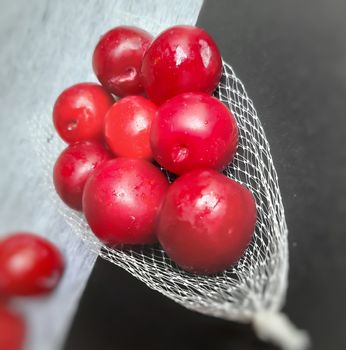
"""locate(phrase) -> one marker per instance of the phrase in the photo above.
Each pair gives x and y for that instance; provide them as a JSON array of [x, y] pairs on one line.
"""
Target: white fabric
[[45, 47]]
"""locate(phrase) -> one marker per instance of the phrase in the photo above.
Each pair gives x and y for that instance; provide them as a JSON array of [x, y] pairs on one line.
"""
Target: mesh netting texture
[[258, 282]]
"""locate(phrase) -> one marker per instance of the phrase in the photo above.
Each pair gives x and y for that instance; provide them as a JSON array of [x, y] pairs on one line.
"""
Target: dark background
[[291, 56]]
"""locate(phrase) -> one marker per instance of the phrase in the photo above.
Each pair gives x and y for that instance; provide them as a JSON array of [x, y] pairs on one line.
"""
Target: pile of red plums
[[29, 266], [154, 111]]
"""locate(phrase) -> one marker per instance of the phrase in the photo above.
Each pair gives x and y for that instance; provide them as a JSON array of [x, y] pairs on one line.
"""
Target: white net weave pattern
[[259, 280]]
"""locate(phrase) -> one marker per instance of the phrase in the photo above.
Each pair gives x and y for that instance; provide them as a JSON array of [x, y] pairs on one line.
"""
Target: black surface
[[291, 57], [119, 312]]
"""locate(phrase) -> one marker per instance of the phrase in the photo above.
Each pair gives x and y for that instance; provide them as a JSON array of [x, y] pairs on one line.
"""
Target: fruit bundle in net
[[253, 290]]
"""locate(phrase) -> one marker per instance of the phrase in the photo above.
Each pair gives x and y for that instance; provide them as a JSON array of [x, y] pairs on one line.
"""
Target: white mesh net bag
[[251, 291]]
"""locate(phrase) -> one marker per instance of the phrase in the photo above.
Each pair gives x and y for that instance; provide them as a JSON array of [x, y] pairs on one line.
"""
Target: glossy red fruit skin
[[73, 167], [181, 59], [12, 329], [122, 199], [127, 127], [193, 130], [206, 222], [118, 57], [29, 265], [79, 112]]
